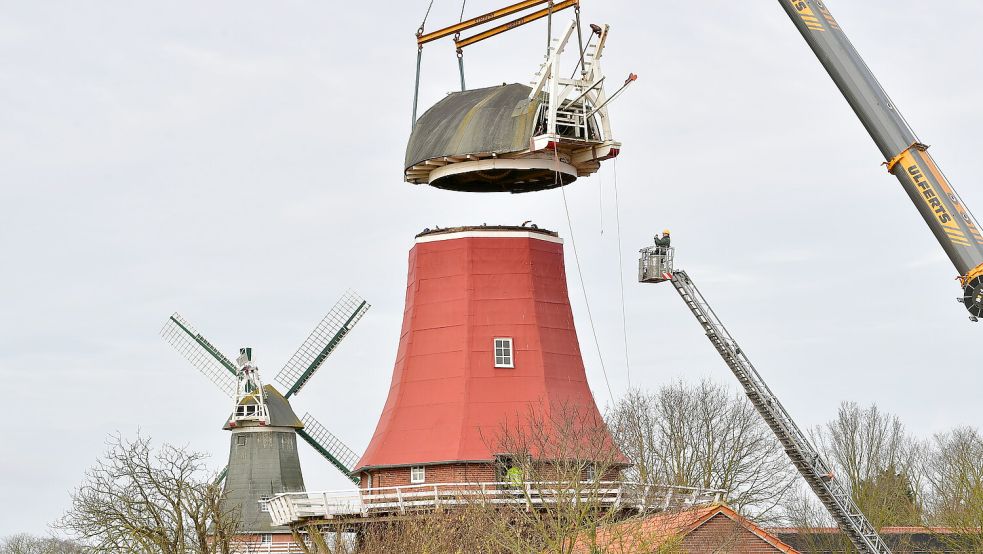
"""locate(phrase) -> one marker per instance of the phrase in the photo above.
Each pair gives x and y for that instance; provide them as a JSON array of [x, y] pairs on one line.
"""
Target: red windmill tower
[[488, 337]]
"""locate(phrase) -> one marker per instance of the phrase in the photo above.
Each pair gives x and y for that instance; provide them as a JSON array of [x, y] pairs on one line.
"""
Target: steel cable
[[583, 287], [621, 269]]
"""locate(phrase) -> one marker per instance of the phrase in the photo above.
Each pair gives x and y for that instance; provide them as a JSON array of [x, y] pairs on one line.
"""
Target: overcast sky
[[240, 162]]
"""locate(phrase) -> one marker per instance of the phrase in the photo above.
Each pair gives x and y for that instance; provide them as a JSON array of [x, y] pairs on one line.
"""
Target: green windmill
[[263, 459]]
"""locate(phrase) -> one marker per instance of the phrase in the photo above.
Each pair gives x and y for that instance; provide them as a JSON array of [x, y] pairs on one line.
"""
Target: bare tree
[[24, 543], [704, 435], [880, 461], [561, 464], [137, 499], [458, 531], [954, 472]]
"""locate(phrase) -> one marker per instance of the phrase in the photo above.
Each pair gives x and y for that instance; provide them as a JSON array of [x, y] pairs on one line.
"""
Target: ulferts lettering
[[930, 195]]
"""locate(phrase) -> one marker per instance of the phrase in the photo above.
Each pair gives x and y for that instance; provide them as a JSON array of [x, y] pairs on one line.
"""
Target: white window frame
[[263, 506], [505, 346], [418, 475], [266, 538]]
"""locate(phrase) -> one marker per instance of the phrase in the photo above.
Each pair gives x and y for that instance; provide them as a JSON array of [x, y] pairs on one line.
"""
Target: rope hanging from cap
[[558, 180], [621, 270]]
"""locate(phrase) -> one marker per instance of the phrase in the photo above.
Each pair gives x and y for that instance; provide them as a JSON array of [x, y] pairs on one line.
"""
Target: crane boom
[[906, 157], [655, 266]]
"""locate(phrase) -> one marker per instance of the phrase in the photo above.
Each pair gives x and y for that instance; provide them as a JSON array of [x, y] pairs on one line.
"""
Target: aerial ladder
[[906, 157], [656, 266]]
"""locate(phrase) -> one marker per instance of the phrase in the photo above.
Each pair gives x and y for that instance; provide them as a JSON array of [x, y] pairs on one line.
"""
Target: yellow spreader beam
[[492, 16], [560, 6], [480, 20]]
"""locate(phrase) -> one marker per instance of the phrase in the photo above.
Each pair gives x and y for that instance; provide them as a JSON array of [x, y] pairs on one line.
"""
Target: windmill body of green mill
[[263, 457]]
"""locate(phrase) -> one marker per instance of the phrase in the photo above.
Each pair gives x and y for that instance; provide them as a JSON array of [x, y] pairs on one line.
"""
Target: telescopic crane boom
[[656, 266], [906, 157]]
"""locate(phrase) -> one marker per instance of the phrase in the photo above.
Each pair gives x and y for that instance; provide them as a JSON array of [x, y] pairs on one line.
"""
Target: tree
[[876, 459], [137, 499], [954, 472], [704, 435], [879, 460], [29, 544], [561, 463]]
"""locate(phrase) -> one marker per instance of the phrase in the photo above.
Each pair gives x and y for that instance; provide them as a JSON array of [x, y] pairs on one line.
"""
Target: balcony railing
[[289, 508]]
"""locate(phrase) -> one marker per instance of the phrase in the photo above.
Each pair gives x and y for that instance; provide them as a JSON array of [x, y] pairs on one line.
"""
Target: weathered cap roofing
[[498, 121], [281, 414]]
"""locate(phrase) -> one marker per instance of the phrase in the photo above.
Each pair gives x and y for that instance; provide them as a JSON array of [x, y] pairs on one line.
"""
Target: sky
[[240, 162]]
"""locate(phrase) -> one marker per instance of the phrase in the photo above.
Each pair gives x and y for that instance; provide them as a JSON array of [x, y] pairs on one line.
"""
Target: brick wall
[[451, 473], [722, 534], [444, 473]]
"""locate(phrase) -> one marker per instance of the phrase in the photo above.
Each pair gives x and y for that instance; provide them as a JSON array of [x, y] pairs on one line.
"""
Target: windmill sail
[[322, 341], [202, 354], [329, 446]]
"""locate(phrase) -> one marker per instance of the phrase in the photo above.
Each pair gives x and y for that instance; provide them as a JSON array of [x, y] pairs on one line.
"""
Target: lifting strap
[[460, 66], [460, 51], [549, 30], [419, 61], [416, 88]]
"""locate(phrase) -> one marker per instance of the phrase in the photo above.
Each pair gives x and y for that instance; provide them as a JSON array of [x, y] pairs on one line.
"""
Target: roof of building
[[281, 414], [650, 532], [908, 539], [496, 120], [883, 530]]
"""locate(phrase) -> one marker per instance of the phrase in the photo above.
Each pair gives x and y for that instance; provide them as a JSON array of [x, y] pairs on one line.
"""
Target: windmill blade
[[323, 340], [329, 446], [197, 350]]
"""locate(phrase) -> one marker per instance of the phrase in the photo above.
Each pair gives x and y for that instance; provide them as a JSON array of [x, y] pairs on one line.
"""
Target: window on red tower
[[418, 475], [503, 353]]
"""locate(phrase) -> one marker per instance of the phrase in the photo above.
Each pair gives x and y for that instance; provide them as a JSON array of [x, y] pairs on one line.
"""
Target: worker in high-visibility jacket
[[514, 477]]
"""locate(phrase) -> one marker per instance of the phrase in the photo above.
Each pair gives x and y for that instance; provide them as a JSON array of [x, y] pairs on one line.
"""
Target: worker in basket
[[662, 243]]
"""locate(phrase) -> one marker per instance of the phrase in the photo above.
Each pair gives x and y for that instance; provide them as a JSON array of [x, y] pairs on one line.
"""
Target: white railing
[[295, 507], [257, 547]]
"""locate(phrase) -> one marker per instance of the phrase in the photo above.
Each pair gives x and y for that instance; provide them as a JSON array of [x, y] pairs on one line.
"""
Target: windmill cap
[[281, 414]]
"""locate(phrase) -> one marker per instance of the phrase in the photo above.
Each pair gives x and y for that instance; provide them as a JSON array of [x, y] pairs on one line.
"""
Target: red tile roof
[[650, 532]]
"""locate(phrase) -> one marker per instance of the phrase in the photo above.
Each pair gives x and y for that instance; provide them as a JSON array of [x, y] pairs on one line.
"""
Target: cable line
[[621, 269], [580, 274]]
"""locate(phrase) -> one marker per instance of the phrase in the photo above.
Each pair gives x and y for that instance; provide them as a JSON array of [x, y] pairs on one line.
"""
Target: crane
[[906, 157], [656, 266]]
